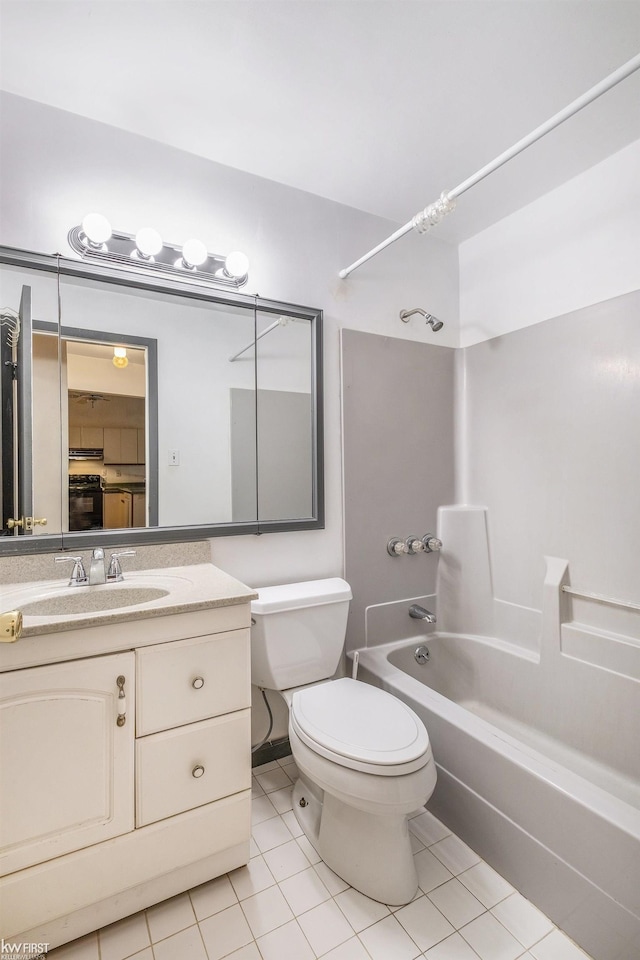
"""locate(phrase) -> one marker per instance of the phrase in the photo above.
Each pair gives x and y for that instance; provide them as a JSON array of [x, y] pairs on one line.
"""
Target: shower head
[[433, 322]]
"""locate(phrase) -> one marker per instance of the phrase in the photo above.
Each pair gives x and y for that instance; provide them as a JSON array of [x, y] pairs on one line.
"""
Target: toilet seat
[[360, 727]]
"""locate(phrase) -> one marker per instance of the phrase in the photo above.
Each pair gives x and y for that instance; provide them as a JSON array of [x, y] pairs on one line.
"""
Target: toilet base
[[372, 853]]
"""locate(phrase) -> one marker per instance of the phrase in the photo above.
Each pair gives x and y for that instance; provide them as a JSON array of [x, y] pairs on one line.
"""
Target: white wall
[[57, 166], [575, 246]]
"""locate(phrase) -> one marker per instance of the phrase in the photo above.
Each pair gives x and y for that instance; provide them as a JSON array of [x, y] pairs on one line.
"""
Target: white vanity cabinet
[[66, 766], [101, 817]]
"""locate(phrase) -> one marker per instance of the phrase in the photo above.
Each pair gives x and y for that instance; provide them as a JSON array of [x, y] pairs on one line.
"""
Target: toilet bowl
[[364, 757]]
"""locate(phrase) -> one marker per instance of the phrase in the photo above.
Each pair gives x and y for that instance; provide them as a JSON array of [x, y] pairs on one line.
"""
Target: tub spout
[[419, 613]]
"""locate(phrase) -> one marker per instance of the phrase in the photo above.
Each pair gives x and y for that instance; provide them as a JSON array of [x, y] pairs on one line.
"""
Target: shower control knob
[[431, 543], [414, 545], [396, 547]]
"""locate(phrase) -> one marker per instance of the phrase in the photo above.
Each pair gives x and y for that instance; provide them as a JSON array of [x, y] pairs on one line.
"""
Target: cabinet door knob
[[198, 771], [197, 683]]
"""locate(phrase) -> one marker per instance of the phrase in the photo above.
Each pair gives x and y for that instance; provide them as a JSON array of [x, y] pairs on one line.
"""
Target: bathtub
[[553, 809]]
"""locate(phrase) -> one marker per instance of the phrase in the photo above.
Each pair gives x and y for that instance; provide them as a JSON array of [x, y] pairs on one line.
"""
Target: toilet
[[364, 757]]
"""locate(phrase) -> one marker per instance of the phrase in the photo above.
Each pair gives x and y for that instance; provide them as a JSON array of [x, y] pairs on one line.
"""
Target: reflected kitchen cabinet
[[121, 445], [117, 510]]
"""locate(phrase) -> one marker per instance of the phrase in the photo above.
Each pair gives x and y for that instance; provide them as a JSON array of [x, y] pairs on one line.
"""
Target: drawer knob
[[198, 771], [197, 683]]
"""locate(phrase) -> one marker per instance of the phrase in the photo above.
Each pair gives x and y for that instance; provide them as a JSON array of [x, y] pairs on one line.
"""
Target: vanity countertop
[[148, 594]]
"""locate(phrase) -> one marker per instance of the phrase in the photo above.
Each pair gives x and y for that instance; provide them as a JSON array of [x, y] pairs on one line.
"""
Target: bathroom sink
[[55, 598], [88, 600]]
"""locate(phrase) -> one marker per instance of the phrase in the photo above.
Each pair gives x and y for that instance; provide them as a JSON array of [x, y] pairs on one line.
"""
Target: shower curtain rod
[[436, 211]]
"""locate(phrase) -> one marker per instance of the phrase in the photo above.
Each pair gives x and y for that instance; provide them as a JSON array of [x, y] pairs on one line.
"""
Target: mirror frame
[[193, 289]]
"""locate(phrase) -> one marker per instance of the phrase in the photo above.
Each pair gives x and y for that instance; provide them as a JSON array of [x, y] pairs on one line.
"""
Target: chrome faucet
[[419, 613], [97, 572]]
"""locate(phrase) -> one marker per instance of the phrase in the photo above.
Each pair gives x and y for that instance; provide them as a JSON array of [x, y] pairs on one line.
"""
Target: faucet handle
[[78, 574], [115, 570], [396, 547], [431, 543], [415, 545]]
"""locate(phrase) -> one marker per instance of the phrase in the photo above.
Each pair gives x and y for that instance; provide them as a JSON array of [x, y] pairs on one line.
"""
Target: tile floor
[[287, 905]]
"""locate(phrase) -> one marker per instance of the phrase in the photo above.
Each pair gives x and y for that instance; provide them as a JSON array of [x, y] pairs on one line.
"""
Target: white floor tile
[[281, 799], [225, 932], [522, 919], [286, 943], [490, 940], [264, 767], [253, 878], [557, 946], [325, 927], [388, 939], [349, 950], [359, 910], [84, 948], [485, 884], [431, 872], [304, 891], [416, 844], [428, 828], [187, 943], [256, 789], [262, 809], [290, 819], [266, 910], [455, 854], [453, 948], [424, 923], [250, 952], [211, 897], [124, 938], [457, 903], [276, 779], [270, 834], [285, 860], [170, 917], [285, 761]]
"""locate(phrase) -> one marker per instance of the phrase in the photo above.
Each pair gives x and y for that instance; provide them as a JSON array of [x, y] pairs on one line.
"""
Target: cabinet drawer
[[178, 770], [190, 680]]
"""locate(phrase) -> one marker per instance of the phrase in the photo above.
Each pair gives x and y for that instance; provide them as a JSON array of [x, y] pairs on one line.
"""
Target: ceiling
[[378, 105]]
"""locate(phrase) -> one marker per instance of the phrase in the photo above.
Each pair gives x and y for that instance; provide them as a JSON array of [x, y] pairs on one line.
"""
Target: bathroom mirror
[[155, 410]]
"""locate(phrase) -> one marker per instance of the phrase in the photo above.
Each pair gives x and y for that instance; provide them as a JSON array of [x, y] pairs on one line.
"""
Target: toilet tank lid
[[309, 593]]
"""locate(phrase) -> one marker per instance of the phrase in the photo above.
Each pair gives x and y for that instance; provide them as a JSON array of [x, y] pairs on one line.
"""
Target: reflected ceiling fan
[[92, 398]]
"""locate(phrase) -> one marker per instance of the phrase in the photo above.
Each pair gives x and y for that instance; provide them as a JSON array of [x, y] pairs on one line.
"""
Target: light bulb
[[120, 357], [236, 265], [96, 229], [194, 253], [148, 241]]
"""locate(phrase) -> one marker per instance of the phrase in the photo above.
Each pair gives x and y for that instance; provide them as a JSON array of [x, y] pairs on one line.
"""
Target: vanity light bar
[[94, 240]]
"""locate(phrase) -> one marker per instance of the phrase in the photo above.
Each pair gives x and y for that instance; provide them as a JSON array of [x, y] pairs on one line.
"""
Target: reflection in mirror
[[206, 422]]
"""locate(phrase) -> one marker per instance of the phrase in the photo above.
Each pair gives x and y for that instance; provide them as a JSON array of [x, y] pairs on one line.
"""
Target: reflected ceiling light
[[194, 253], [96, 229], [146, 252], [236, 265], [120, 358], [148, 242]]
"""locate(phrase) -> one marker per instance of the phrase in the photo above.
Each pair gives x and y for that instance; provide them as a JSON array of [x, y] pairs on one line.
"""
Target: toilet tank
[[297, 632]]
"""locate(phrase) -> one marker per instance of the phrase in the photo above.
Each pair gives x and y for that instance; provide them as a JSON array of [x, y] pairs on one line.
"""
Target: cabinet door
[[92, 437], [67, 767], [117, 511], [129, 445], [139, 510], [112, 445]]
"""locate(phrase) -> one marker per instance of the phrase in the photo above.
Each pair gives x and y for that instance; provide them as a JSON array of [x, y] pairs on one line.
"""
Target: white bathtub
[[557, 813]]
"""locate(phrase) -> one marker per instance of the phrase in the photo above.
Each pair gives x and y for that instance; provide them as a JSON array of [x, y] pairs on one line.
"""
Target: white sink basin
[[57, 599], [88, 600]]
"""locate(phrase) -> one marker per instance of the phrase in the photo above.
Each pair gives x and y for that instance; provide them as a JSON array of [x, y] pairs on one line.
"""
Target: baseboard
[[273, 750]]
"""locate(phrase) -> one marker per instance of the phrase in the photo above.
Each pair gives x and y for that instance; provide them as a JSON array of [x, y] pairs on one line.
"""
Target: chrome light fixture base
[[121, 250]]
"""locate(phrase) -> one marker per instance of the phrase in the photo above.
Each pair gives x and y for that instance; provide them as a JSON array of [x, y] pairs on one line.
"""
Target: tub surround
[[131, 730], [520, 707]]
